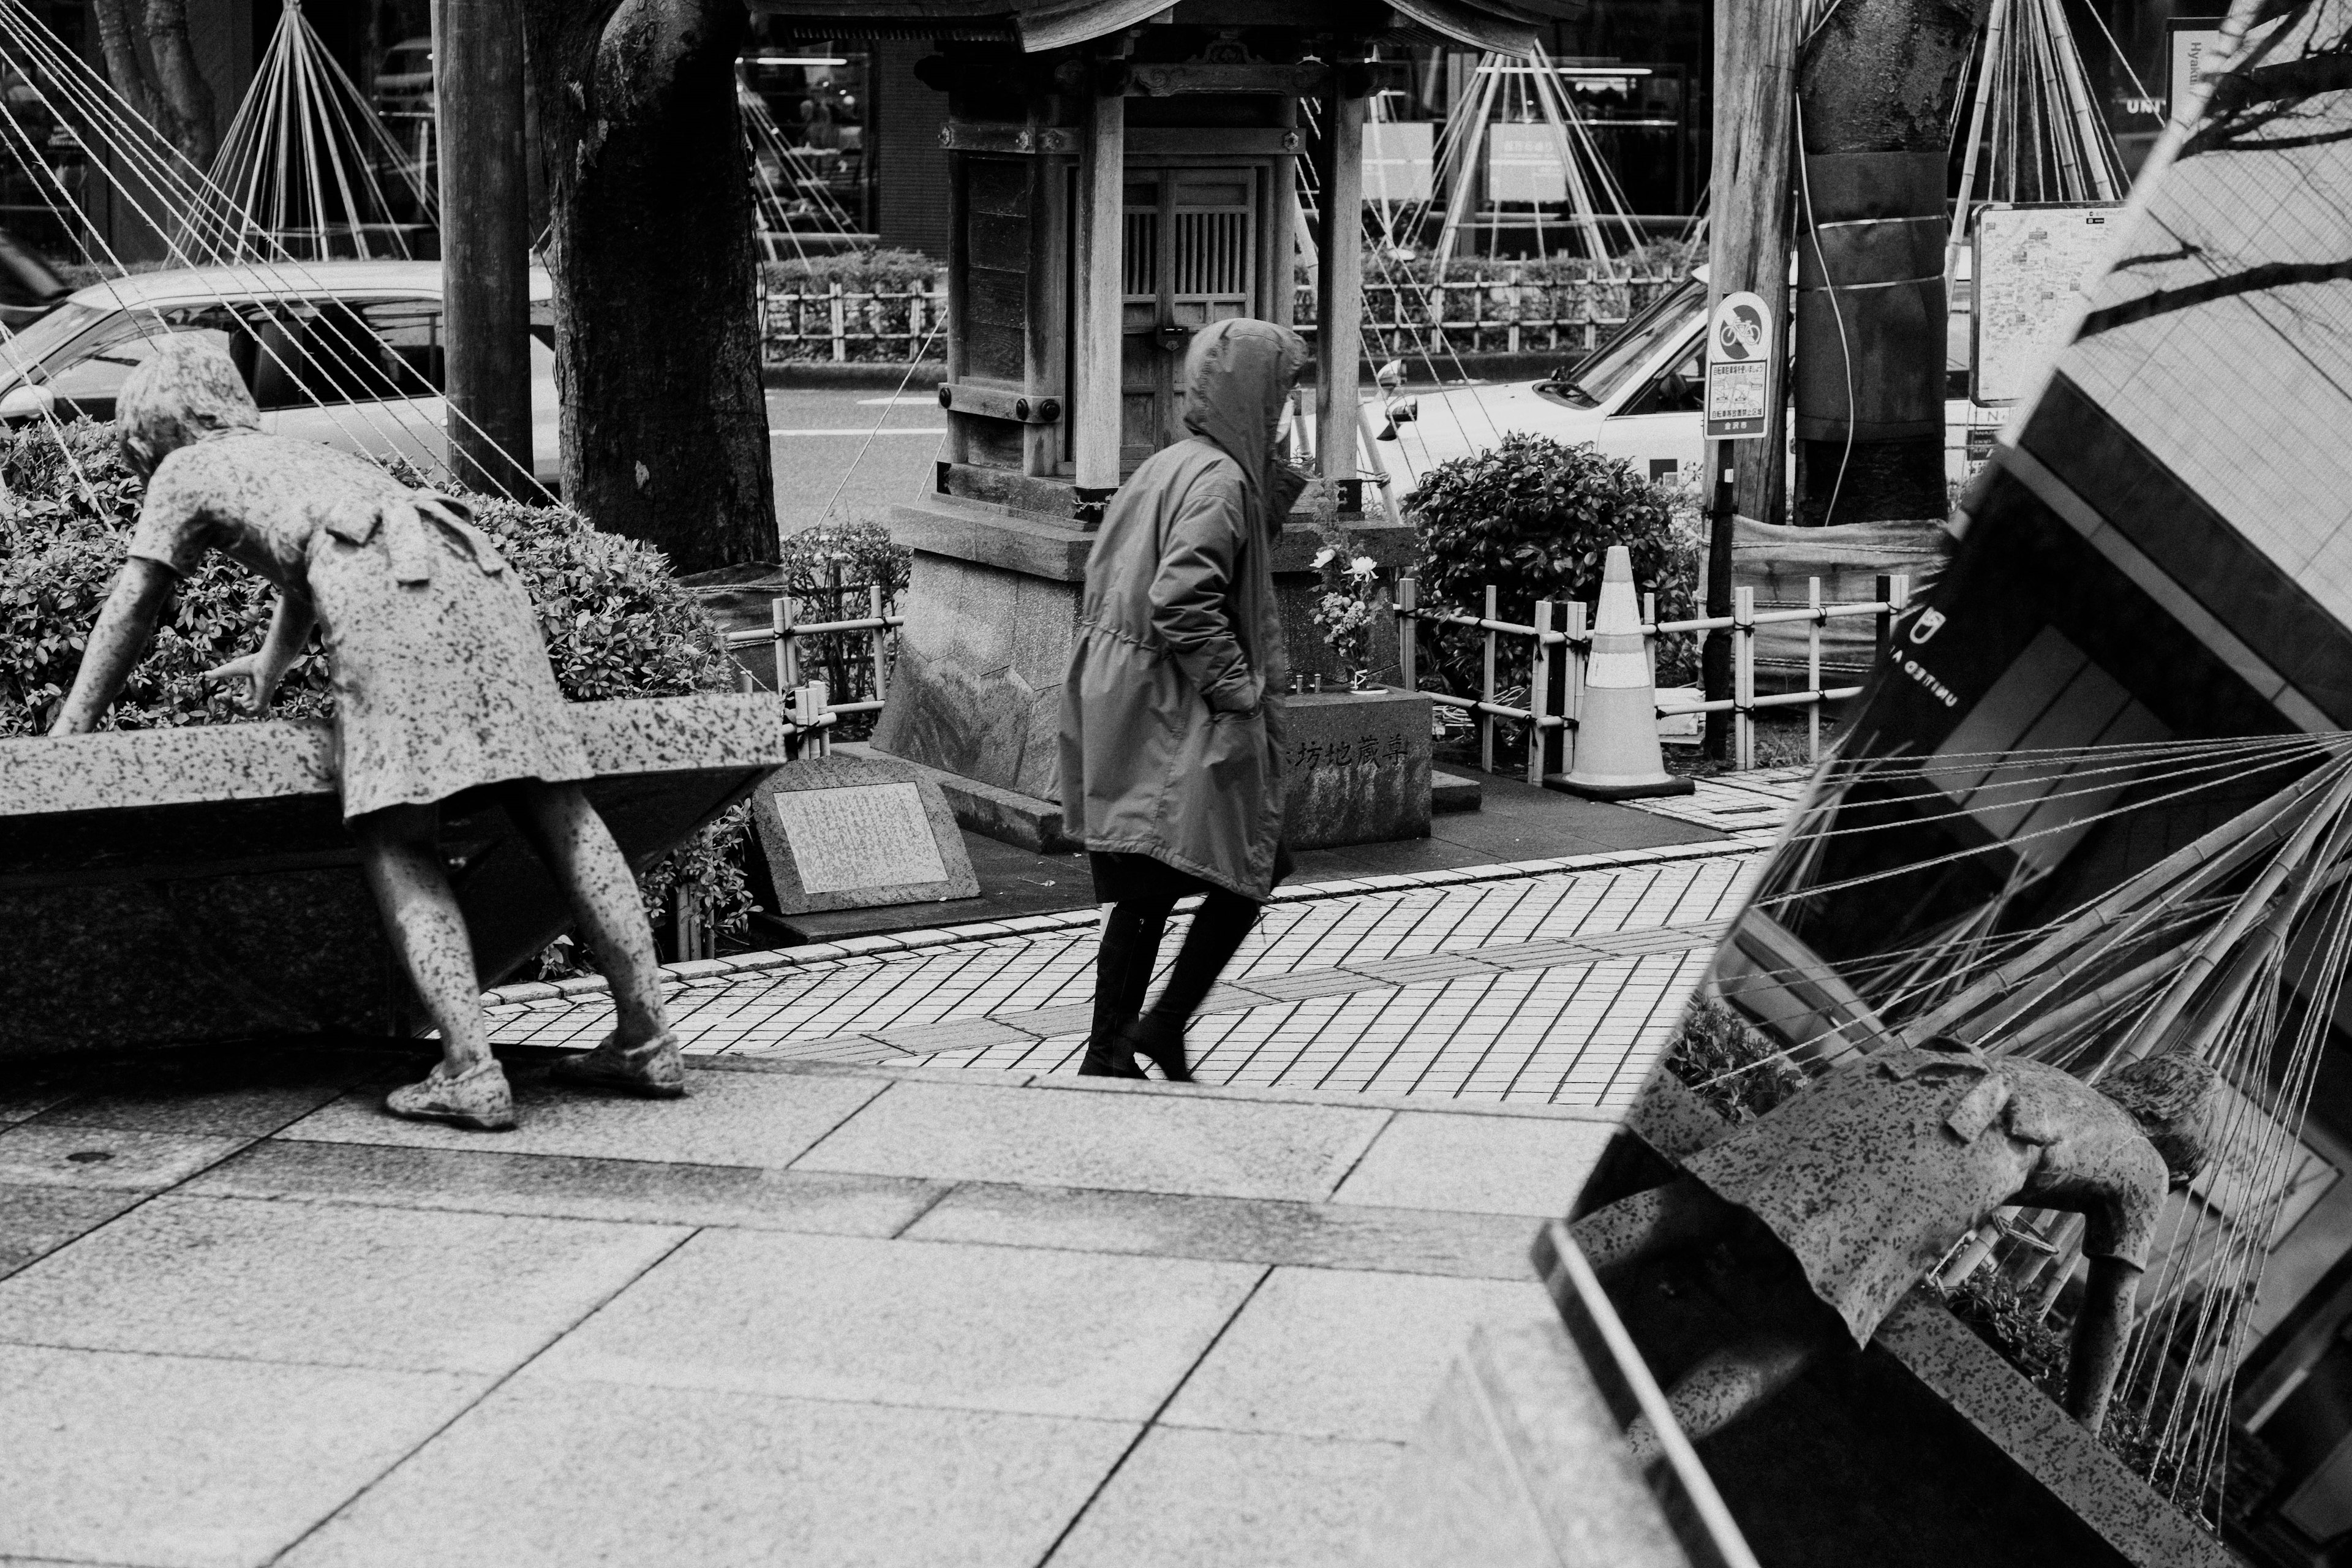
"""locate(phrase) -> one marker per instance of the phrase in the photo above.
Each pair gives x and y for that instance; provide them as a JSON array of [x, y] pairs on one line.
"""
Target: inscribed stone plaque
[[855, 832], [860, 836]]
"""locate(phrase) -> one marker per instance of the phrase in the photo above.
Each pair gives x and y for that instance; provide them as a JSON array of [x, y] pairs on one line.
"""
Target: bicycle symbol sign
[[1738, 368]]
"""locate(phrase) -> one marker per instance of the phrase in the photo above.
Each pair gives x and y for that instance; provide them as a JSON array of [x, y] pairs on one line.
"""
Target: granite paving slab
[[570, 1186], [326, 1285], [554, 1475], [37, 1220], [34, 1154], [1322, 1235], [728, 1119], [1502, 1165], [1027, 1331], [1327, 1352], [1145, 1140], [1226, 1500], [179, 1462]]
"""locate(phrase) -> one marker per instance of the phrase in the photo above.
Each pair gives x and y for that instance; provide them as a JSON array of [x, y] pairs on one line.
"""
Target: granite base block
[[1357, 768], [977, 688], [180, 886]]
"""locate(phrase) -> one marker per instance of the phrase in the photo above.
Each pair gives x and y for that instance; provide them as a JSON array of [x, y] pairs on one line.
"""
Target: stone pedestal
[[1357, 769], [179, 886], [991, 610], [992, 613]]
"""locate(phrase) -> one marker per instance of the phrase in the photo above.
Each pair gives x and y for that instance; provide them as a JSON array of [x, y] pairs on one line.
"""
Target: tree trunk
[[120, 43], [1875, 87], [656, 355], [181, 94]]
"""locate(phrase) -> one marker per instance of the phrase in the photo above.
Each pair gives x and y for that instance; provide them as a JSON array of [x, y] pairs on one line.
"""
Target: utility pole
[[1748, 216], [477, 81], [1876, 87]]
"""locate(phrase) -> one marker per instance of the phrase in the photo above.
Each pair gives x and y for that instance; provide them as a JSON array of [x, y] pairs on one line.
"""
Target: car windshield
[[1598, 376], [20, 353]]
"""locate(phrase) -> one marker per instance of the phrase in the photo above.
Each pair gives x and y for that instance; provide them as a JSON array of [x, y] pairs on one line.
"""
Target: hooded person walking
[[1172, 717]]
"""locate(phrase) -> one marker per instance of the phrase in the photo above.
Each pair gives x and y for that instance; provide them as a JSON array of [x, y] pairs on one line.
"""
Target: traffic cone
[[1616, 734]]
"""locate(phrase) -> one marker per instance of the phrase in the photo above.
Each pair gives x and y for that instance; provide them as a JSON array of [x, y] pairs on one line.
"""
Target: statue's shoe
[[477, 1097], [652, 1070]]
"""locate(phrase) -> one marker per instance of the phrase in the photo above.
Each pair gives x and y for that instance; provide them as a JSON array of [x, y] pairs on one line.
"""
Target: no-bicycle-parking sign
[[1738, 368]]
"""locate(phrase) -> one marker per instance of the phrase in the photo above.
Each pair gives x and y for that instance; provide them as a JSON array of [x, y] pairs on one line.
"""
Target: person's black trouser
[[1130, 945]]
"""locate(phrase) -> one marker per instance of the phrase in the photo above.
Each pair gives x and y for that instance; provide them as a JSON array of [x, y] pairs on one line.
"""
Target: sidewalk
[[1553, 981], [892, 1287]]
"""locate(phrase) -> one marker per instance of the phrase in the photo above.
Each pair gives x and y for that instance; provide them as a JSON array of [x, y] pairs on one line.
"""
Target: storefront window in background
[[395, 73], [32, 197], [818, 101]]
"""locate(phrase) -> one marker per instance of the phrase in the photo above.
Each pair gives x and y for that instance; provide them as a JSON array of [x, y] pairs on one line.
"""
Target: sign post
[[1740, 362]]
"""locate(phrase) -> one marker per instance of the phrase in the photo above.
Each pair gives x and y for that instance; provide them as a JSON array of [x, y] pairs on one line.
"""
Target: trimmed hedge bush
[[1534, 519]]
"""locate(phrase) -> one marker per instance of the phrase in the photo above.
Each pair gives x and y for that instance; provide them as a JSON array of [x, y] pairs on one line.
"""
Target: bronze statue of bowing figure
[[1837, 1201], [442, 685]]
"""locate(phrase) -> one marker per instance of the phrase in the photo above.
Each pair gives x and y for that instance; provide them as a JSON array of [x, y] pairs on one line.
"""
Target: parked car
[[29, 287], [1639, 396], [348, 352], [405, 83]]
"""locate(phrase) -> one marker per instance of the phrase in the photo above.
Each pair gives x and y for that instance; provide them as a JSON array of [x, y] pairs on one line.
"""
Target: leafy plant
[[1534, 519], [1728, 1063], [1350, 602]]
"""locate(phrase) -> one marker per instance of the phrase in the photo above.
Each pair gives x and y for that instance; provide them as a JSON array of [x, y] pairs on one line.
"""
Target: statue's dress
[[441, 679]]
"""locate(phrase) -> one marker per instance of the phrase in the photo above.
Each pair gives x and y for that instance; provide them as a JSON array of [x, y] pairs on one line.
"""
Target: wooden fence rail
[[1556, 687], [1402, 318], [785, 632]]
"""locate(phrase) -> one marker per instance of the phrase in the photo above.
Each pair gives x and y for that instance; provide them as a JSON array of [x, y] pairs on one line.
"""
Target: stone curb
[[708, 971]]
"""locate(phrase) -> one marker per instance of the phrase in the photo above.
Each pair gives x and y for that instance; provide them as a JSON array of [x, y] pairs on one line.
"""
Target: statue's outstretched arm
[[290, 628], [115, 644], [2101, 1327]]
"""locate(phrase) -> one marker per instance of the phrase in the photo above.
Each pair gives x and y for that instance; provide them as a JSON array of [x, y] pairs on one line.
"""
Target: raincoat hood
[[189, 391], [1236, 375]]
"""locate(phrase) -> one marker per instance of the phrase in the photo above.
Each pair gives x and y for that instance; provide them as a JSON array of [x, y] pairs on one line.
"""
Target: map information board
[[2032, 265]]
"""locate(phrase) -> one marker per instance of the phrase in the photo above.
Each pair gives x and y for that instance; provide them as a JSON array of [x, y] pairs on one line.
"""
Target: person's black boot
[[1161, 1037], [1109, 1059]]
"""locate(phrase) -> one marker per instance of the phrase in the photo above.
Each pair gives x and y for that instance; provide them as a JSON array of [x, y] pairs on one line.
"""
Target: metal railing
[[1506, 314], [1555, 687]]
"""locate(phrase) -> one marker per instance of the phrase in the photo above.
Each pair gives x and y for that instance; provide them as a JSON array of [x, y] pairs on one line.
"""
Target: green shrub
[[616, 621], [1729, 1064], [893, 271], [1534, 519]]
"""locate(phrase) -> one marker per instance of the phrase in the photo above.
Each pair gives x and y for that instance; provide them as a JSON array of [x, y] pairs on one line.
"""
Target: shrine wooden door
[[1190, 255]]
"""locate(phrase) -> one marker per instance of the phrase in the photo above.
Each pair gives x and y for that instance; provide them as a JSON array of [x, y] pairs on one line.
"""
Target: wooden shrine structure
[[1121, 175]]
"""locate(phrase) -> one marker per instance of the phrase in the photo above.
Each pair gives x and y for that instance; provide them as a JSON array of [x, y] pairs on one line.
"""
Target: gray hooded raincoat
[[1172, 717]]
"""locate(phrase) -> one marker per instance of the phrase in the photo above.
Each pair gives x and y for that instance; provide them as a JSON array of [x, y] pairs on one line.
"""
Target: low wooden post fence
[[1403, 318], [1555, 692], [784, 634]]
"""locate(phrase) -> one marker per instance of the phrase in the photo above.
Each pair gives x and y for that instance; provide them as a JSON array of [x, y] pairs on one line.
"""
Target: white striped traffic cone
[[1616, 734]]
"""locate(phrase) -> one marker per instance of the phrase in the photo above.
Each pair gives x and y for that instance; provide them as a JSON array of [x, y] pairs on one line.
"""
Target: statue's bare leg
[[1725, 1386], [640, 1056], [1679, 1215], [400, 856]]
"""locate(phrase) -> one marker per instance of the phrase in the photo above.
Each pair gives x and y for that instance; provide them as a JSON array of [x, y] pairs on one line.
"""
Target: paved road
[[856, 451]]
